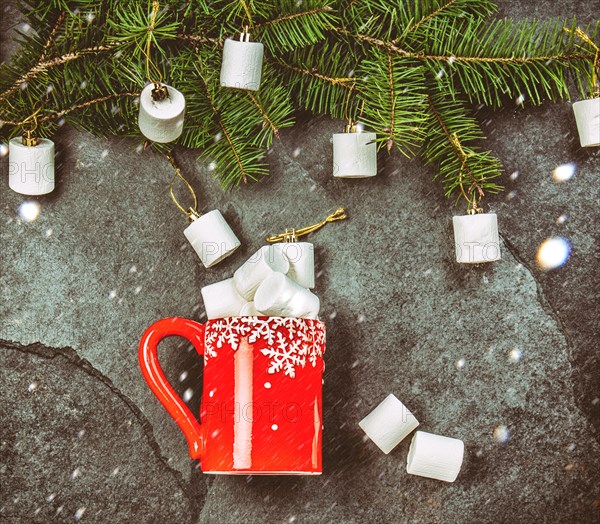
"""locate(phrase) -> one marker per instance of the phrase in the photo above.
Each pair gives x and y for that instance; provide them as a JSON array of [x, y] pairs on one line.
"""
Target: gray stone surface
[[107, 257]]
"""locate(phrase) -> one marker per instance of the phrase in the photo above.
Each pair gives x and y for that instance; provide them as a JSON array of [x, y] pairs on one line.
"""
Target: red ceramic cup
[[261, 409]]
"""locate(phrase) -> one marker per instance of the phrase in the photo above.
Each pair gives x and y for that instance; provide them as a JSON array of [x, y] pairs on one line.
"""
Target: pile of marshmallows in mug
[[274, 282], [429, 455]]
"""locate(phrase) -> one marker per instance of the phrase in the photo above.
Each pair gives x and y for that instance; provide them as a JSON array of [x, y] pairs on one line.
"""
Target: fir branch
[[390, 140], [292, 16], [44, 65], [412, 28], [345, 82], [450, 129], [85, 105], [459, 151], [264, 114], [217, 116], [292, 30], [197, 39], [50, 40], [393, 99]]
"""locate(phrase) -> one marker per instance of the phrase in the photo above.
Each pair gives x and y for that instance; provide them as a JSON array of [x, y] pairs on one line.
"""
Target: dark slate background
[[83, 438]]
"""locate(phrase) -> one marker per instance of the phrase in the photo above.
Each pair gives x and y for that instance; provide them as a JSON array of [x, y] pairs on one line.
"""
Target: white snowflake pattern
[[262, 329], [285, 355], [230, 331], [286, 350], [209, 345]]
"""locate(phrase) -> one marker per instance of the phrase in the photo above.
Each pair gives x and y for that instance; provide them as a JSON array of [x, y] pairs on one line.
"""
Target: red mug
[[261, 410]]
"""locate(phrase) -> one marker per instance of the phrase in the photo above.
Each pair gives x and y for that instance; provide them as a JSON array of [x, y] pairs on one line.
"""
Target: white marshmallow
[[242, 64], [476, 238], [31, 168], [389, 423], [587, 116], [221, 299], [280, 296], [161, 120], [267, 260], [249, 310], [211, 237], [354, 155], [435, 457], [301, 256]]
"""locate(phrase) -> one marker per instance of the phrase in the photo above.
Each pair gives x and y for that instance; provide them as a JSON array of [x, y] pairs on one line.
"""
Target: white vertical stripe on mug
[[242, 427]]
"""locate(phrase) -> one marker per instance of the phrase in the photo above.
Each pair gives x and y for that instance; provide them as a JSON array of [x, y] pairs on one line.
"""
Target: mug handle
[[156, 379]]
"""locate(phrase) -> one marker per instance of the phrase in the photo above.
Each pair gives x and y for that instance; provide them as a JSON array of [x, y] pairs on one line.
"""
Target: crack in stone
[[549, 308], [71, 356]]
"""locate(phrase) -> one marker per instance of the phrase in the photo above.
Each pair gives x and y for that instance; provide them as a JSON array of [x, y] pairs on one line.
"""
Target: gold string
[[191, 212], [473, 205], [29, 138], [596, 64], [149, 62], [248, 15], [339, 214]]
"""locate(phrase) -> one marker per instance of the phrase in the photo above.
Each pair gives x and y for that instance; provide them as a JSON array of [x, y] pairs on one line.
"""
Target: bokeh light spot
[[553, 253], [29, 210], [563, 173], [501, 434]]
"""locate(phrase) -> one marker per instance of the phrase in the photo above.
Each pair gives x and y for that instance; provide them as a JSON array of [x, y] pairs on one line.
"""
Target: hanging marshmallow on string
[[354, 152], [476, 236], [301, 255], [162, 107], [587, 112], [209, 234], [31, 160], [242, 61]]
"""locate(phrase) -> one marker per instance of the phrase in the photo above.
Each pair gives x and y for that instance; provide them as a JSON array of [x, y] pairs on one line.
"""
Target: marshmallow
[[476, 238], [280, 296], [301, 256], [221, 299], [587, 116], [389, 423], [211, 237], [354, 155], [242, 64], [31, 168], [435, 457], [249, 310], [266, 261], [161, 120]]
